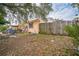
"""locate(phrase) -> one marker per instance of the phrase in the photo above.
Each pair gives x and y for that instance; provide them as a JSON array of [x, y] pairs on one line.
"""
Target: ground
[[36, 45]]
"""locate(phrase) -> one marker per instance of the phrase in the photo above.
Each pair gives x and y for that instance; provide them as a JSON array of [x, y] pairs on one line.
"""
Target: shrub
[[73, 31], [3, 28], [2, 24], [3, 21]]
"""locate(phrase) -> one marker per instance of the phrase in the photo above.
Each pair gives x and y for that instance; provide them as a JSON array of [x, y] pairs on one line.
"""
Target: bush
[[3, 28], [3, 21], [2, 24], [73, 31]]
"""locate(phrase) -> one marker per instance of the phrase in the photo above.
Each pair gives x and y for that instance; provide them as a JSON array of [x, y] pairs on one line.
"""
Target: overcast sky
[[63, 11]]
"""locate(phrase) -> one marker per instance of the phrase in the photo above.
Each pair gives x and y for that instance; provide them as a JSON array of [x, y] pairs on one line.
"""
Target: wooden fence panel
[[56, 27]]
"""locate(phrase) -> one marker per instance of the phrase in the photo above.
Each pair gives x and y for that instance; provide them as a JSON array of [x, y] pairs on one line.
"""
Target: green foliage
[[2, 11], [73, 31], [3, 28], [3, 21], [26, 9], [75, 5]]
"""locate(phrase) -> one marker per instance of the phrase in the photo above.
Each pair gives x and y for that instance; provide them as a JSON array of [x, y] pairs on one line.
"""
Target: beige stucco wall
[[35, 28]]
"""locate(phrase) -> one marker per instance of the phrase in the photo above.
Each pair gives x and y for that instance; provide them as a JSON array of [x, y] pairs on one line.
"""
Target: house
[[33, 25]]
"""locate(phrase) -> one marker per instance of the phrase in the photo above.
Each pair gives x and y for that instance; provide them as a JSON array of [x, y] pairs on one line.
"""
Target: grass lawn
[[36, 45]]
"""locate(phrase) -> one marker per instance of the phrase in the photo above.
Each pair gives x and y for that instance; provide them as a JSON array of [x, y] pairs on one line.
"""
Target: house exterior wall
[[35, 28]]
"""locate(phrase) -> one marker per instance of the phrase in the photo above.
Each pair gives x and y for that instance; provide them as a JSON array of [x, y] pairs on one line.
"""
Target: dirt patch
[[28, 44]]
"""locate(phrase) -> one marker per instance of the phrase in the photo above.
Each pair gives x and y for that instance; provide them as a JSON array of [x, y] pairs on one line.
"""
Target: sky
[[63, 11]]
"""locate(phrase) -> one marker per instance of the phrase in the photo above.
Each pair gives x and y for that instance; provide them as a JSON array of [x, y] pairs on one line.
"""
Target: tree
[[75, 5], [3, 21], [27, 9]]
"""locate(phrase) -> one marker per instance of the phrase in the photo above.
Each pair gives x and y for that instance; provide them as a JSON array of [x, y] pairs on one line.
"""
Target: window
[[30, 25]]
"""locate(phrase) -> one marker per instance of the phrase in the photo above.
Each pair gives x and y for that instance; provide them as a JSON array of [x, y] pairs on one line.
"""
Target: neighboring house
[[33, 26]]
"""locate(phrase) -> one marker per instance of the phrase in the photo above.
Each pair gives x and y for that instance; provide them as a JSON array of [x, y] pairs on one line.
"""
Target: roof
[[33, 20]]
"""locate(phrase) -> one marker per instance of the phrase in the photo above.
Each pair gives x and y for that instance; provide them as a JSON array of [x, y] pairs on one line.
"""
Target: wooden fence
[[56, 27]]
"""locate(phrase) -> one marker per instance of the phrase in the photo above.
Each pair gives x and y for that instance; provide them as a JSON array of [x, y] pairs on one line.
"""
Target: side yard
[[36, 45]]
